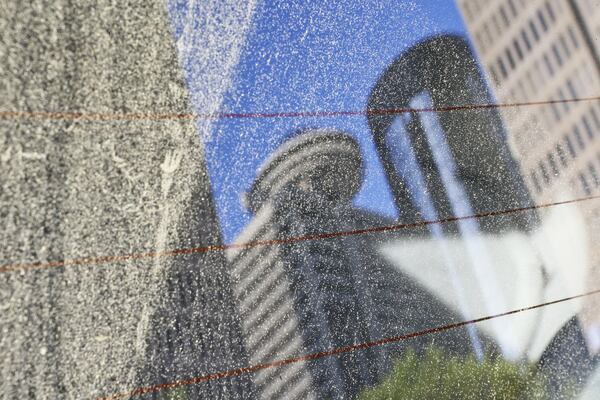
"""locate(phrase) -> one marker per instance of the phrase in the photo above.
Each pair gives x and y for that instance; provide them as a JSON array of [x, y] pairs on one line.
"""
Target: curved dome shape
[[443, 70], [440, 64], [316, 164]]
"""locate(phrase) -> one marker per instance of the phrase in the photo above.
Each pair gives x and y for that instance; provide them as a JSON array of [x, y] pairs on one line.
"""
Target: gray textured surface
[[88, 188]]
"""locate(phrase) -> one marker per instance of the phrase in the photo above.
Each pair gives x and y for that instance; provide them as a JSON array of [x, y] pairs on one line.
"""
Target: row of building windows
[[578, 85], [534, 79], [523, 43], [574, 88], [494, 28], [585, 130], [472, 9], [589, 177]]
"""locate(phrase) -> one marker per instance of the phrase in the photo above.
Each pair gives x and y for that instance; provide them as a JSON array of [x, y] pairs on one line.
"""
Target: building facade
[[539, 51], [314, 293]]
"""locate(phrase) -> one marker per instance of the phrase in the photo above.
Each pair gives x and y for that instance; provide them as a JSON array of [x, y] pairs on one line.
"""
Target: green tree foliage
[[178, 393], [438, 376]]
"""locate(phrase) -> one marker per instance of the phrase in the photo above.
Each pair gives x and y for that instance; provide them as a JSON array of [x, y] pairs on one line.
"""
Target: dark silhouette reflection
[[467, 144], [566, 362], [449, 163], [314, 295], [446, 155]]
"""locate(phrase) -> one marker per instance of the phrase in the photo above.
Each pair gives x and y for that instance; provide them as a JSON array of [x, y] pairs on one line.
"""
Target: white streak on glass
[[481, 264], [407, 167]]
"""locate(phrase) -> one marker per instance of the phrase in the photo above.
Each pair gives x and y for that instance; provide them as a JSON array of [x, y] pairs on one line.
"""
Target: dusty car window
[[300, 199]]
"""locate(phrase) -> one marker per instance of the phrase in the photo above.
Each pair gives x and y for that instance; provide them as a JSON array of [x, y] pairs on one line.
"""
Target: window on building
[[555, 111], [510, 58], [544, 172], [565, 105], [512, 8], [536, 35], [488, 33], [517, 48], [504, 16], [542, 20], [536, 182], [571, 88], [496, 23], [525, 38], [494, 74], [550, 11], [594, 114], [594, 174], [561, 155], [579, 82], [548, 63], [552, 163], [590, 73], [588, 127], [578, 137], [538, 74], [564, 44], [570, 146], [502, 68], [573, 37], [585, 184], [557, 55]]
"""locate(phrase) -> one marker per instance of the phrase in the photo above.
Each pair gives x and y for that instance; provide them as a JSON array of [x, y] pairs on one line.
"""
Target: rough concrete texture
[[81, 188]]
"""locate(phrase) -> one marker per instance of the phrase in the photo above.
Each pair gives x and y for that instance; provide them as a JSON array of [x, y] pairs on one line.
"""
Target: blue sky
[[310, 55]]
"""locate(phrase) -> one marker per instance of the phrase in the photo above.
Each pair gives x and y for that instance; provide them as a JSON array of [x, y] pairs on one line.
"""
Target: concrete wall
[[98, 186]]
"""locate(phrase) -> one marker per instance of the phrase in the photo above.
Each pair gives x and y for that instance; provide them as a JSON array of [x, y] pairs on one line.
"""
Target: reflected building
[[537, 51], [316, 292], [540, 50]]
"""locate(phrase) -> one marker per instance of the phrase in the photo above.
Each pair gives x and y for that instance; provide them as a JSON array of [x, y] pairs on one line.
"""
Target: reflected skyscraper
[[548, 50], [314, 293], [544, 50]]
